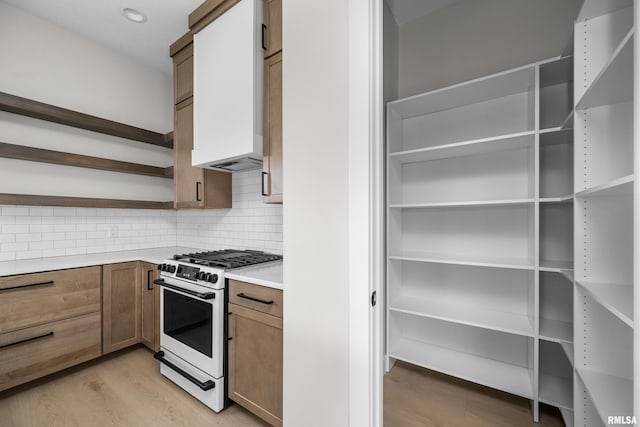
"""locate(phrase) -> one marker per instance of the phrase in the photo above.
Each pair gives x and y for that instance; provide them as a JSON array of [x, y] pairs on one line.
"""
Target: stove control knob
[[160, 267], [172, 268], [200, 275], [207, 277], [163, 267], [213, 278]]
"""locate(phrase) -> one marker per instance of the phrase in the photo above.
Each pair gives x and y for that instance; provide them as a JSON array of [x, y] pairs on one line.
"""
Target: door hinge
[[374, 298]]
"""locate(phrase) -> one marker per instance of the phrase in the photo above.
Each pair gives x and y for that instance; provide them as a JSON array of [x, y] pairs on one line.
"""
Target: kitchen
[[319, 197]]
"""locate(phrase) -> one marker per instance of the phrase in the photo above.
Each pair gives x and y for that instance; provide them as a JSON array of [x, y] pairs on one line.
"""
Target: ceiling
[[103, 22], [405, 11]]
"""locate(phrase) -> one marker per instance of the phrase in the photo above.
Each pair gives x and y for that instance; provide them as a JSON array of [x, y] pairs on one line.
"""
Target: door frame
[[366, 213]]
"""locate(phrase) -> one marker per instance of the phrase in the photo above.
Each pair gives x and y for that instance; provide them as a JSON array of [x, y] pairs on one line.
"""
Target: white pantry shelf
[[556, 330], [617, 298], [482, 89], [505, 202], [513, 263], [466, 148], [492, 373], [559, 199], [555, 266], [567, 416], [610, 395], [567, 348], [556, 391], [594, 8], [470, 315], [616, 187], [614, 83], [568, 122]]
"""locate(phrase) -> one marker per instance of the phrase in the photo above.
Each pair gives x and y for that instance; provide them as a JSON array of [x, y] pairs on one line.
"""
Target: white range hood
[[227, 93]]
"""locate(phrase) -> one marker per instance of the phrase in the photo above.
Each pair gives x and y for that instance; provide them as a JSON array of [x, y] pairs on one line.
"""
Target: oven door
[[192, 326]]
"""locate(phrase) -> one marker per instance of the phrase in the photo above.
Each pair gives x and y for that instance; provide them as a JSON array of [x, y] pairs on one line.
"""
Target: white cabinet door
[[228, 86]]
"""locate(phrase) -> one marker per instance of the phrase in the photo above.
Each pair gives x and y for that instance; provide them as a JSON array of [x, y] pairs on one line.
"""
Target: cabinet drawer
[[34, 352], [33, 299], [246, 294]]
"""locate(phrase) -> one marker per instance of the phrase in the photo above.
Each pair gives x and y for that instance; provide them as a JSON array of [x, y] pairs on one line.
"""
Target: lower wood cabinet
[[48, 321], [30, 353], [150, 307], [255, 350], [121, 306]]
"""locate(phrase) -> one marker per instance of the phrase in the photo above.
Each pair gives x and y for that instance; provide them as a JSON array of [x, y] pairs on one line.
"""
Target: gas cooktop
[[228, 258]]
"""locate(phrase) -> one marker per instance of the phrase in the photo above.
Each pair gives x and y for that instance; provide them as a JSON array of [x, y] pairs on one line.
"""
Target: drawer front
[[246, 294], [34, 299], [31, 353]]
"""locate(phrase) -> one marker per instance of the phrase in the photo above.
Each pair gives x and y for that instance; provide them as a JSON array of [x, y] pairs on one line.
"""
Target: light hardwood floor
[[124, 389], [417, 397]]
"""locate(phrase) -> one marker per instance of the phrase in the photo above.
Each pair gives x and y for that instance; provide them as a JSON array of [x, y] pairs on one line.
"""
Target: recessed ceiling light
[[134, 15]]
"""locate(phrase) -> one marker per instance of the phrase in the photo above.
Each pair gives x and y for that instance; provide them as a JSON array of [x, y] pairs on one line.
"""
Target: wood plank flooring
[[417, 397], [124, 389]]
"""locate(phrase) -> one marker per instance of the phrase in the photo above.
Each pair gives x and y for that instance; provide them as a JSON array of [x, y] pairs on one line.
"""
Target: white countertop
[[269, 275], [154, 256]]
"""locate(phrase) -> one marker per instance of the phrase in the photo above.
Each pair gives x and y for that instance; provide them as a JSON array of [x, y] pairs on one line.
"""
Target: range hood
[[227, 91]]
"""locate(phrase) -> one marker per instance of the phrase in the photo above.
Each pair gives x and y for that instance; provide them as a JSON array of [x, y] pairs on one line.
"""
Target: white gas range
[[193, 320]]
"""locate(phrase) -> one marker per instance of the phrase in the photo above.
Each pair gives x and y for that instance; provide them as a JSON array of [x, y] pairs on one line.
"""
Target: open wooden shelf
[[610, 395], [481, 370], [84, 202], [63, 116], [616, 298], [464, 314], [21, 152]]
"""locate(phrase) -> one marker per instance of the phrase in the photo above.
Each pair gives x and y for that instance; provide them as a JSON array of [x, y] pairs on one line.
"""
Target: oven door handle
[[206, 295], [205, 386]]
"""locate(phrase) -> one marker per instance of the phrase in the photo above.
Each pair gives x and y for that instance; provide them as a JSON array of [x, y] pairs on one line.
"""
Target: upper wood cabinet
[[150, 307], [195, 188], [272, 125], [120, 306], [272, 142], [273, 23], [183, 74]]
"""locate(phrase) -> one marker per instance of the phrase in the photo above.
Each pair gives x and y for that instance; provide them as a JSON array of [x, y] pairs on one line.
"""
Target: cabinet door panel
[[272, 145], [37, 298], [31, 353], [183, 74], [121, 306], [188, 181], [150, 306], [273, 22], [255, 362]]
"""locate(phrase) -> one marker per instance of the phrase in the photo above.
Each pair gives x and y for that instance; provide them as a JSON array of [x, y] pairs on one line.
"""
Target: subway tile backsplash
[[36, 232], [250, 224]]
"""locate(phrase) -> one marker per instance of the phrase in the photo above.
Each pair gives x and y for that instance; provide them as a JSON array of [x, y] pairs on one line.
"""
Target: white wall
[[250, 224], [474, 38], [315, 214], [47, 63]]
